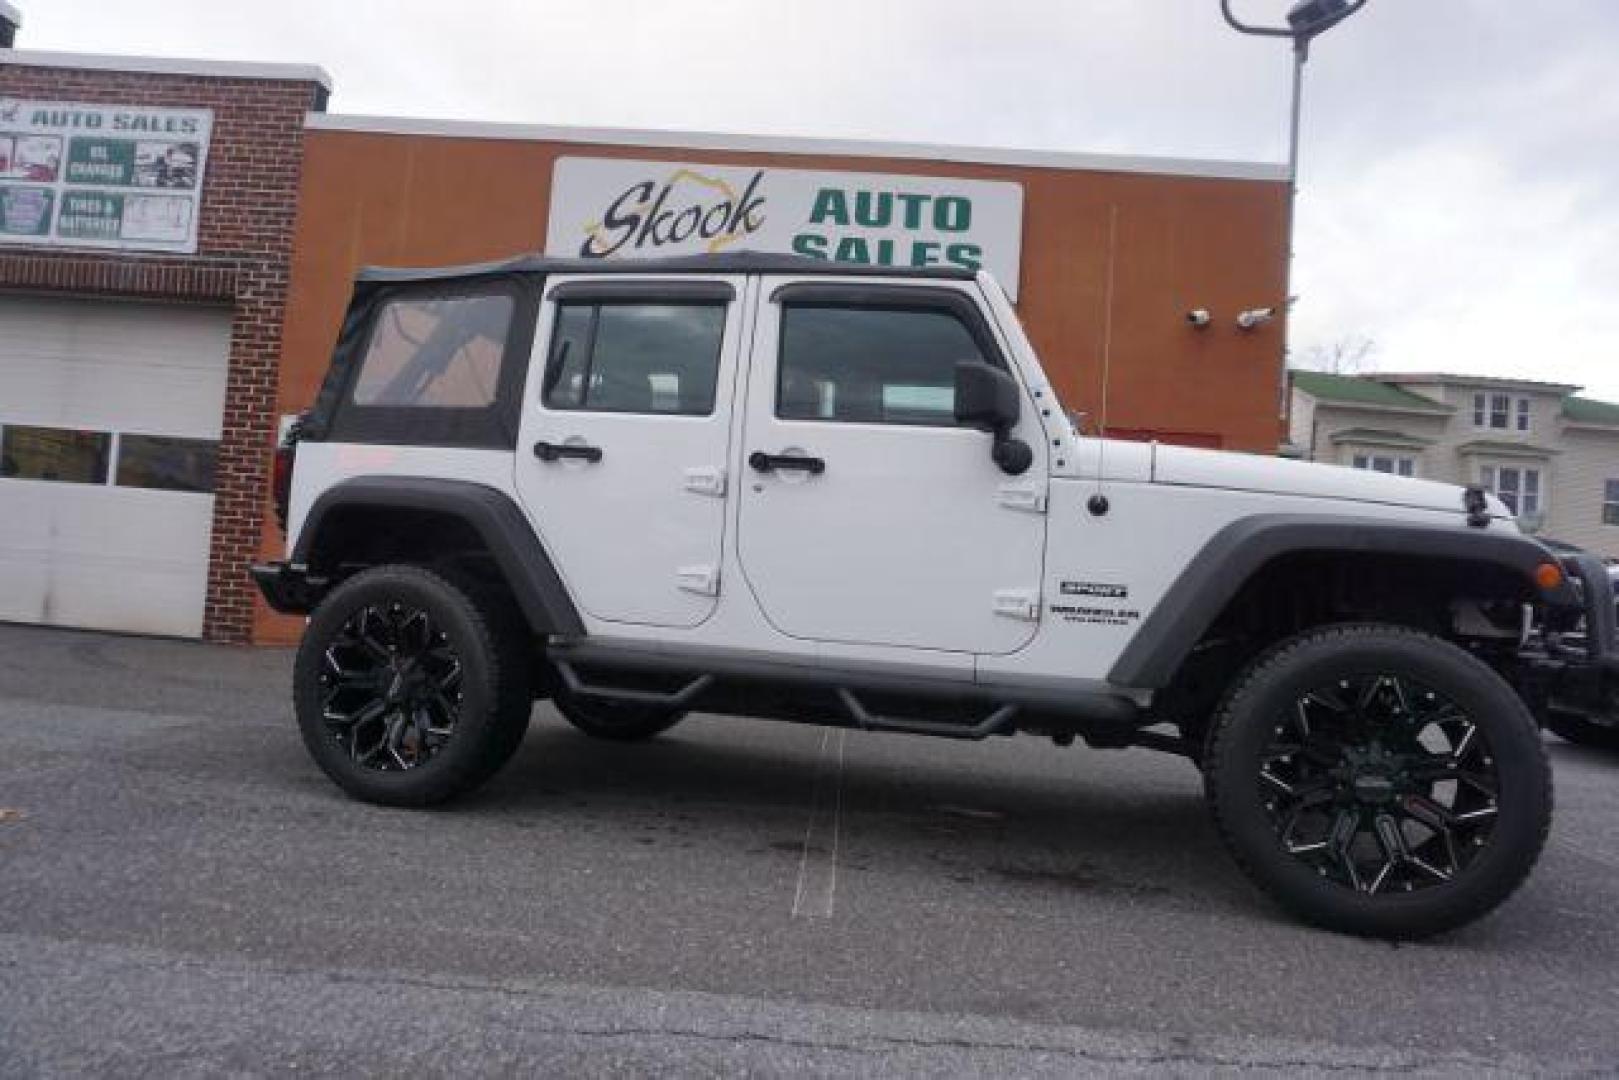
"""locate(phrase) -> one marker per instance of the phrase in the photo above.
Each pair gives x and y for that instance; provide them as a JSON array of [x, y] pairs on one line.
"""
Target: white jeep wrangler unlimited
[[776, 487]]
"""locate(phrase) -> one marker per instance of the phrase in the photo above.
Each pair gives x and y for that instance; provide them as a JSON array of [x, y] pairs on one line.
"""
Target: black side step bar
[[997, 723], [709, 679], [677, 699]]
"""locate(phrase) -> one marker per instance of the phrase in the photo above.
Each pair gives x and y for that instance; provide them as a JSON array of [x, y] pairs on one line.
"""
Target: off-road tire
[[1582, 732], [615, 721], [1279, 680], [493, 708]]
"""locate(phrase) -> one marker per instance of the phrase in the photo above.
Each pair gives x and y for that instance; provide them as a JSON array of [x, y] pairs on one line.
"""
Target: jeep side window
[[871, 365], [441, 353], [635, 358]]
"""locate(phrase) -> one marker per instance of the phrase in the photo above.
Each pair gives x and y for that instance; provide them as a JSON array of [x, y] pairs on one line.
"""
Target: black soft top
[[739, 262]]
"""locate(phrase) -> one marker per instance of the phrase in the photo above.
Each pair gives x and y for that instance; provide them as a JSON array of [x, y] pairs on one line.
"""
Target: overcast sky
[[1460, 176]]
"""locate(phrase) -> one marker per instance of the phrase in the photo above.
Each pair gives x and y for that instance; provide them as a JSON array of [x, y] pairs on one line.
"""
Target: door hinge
[[706, 482], [1018, 604], [1022, 497], [702, 580]]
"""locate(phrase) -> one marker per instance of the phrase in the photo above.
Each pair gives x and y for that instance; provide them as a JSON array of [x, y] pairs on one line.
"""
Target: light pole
[[1306, 21]]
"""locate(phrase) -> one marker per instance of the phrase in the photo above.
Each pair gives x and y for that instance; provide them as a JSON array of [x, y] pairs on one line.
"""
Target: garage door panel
[[98, 555], [135, 367], [168, 400], [63, 562]]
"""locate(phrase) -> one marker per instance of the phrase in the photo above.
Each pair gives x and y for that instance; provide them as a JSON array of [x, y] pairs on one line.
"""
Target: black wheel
[[1379, 781], [1582, 732], [618, 721], [408, 691]]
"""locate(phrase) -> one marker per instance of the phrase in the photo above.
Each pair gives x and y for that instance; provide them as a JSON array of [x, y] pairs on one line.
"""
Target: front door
[[867, 515], [625, 432]]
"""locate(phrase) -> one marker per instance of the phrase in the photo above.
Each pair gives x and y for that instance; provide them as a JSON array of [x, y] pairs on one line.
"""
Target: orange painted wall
[[1179, 243]]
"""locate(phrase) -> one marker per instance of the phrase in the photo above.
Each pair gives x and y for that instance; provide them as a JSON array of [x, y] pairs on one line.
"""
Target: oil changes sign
[[101, 176], [607, 208]]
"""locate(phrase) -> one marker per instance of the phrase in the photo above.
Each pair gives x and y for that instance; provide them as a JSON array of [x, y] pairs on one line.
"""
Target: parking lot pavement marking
[[816, 892]]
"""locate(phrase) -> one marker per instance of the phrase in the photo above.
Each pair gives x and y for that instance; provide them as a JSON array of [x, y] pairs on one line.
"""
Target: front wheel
[[409, 691], [1379, 781]]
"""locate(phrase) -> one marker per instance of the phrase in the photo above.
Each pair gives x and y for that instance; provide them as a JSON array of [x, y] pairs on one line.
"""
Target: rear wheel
[[1379, 781], [410, 692], [616, 721]]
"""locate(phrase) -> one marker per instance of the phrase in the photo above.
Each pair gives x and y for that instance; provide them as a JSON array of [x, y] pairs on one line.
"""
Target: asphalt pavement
[[183, 893]]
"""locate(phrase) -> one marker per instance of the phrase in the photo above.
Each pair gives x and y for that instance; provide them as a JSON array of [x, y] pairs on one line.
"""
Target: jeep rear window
[[635, 358], [437, 353]]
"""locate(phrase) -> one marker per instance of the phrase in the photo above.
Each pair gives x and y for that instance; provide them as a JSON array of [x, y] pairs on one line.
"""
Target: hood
[[1281, 476]]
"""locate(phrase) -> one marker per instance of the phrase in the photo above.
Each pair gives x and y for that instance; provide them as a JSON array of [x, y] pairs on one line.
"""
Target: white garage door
[[109, 424]]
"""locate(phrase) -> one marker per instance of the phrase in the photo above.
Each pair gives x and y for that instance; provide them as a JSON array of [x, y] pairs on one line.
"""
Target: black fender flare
[[490, 513], [1238, 551]]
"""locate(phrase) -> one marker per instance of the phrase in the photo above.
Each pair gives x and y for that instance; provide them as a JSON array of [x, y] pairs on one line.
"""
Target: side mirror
[[988, 398]]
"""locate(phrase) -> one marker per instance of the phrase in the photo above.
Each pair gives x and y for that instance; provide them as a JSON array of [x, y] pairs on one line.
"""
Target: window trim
[[1519, 415], [584, 290], [1490, 480], [1610, 500], [902, 298], [1394, 460]]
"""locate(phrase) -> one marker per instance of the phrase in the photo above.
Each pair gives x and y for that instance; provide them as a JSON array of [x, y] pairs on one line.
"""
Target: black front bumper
[[1580, 663], [1600, 632], [291, 590]]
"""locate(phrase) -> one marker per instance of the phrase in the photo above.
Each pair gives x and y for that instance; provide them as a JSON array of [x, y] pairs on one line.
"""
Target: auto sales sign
[[101, 176], [610, 208]]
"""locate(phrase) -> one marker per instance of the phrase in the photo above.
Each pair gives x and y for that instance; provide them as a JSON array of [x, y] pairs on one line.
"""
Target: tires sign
[[609, 208], [101, 176]]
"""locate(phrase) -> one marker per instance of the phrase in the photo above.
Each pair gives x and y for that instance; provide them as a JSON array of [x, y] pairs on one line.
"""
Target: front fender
[[1238, 551]]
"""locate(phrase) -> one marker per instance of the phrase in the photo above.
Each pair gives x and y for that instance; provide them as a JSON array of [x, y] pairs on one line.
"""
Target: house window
[[1386, 463], [1502, 412], [1519, 488], [1610, 502]]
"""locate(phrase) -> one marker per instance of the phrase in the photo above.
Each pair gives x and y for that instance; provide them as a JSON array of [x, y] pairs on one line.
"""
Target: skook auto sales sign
[[608, 208]]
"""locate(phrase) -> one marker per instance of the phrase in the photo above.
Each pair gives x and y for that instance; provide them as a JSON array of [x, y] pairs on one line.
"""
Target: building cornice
[[162, 65], [689, 141]]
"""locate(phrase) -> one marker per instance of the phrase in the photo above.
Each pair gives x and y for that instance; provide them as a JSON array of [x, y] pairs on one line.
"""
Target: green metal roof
[[1379, 437], [1587, 411], [1354, 390]]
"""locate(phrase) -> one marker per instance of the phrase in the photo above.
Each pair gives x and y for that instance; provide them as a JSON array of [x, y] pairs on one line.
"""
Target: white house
[[1550, 455]]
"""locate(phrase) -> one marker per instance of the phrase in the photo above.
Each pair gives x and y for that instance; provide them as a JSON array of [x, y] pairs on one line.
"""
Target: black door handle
[[763, 462], [546, 451]]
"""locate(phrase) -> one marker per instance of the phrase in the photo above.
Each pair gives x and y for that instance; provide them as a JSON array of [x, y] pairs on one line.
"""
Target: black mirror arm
[[1014, 456]]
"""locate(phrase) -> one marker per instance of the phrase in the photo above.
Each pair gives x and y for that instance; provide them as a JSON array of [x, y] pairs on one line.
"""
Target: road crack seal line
[[815, 895]]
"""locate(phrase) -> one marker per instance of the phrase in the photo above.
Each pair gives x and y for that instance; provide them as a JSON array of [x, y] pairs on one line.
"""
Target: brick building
[[146, 212]]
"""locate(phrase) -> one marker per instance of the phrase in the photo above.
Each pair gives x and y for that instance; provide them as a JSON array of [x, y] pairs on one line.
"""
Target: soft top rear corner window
[[437, 366]]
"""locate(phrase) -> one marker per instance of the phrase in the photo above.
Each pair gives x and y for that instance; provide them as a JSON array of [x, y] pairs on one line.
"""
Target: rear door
[[624, 439], [868, 516]]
